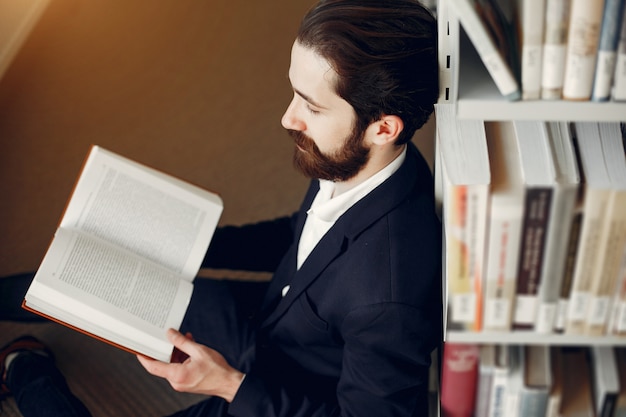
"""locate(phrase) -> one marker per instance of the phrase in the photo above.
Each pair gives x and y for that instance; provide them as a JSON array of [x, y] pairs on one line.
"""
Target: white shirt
[[327, 207]]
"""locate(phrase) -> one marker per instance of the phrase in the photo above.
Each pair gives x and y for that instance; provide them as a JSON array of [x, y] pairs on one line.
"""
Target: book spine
[[554, 48], [612, 246], [495, 63], [594, 210], [536, 215], [568, 272], [559, 225], [459, 378], [607, 50], [502, 255], [464, 230], [582, 48], [618, 320], [532, 27], [619, 78]]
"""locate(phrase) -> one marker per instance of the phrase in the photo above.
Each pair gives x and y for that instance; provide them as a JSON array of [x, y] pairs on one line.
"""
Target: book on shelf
[[619, 78], [577, 400], [554, 48], [486, 367], [617, 321], [620, 404], [530, 24], [514, 383], [607, 49], [604, 380], [122, 261], [491, 41], [555, 395], [538, 176], [465, 176], [582, 48], [562, 216], [504, 222], [612, 241], [459, 377], [569, 267], [537, 380], [597, 195], [499, 381]]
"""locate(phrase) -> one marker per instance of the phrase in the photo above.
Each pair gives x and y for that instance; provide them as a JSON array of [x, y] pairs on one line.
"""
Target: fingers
[[184, 343], [154, 367]]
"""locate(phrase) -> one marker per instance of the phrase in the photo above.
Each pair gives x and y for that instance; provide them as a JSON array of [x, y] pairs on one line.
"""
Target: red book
[[459, 377]]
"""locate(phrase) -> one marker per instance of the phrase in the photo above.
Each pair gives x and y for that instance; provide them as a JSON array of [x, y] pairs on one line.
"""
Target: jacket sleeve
[[255, 247], [384, 372]]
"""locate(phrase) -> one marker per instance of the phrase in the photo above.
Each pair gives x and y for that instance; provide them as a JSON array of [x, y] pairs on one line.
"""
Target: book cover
[[468, 14]]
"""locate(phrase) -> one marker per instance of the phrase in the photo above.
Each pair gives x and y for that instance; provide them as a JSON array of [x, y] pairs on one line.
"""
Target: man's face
[[322, 124]]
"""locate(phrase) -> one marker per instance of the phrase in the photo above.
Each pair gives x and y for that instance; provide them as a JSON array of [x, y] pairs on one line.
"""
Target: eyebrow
[[308, 99]]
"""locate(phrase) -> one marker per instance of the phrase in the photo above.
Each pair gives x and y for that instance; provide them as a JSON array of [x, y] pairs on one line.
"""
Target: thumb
[[181, 342]]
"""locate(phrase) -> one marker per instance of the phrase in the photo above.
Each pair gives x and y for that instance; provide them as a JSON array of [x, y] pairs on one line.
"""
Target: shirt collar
[[329, 208]]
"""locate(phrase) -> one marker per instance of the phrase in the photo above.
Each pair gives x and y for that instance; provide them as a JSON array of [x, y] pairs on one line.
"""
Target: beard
[[339, 166]]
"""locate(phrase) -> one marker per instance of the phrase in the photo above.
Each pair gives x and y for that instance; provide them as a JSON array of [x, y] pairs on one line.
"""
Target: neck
[[380, 157]]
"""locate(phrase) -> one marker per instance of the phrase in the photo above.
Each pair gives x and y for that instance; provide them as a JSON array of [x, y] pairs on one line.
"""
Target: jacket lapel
[[360, 216]]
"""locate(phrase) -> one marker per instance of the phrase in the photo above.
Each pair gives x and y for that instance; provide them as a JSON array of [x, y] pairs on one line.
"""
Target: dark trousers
[[219, 316]]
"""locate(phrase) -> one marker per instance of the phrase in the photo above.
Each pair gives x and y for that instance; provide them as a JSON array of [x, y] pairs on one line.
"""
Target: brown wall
[[195, 88]]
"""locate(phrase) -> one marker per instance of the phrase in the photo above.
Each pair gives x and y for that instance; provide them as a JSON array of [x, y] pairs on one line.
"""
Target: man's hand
[[204, 371]]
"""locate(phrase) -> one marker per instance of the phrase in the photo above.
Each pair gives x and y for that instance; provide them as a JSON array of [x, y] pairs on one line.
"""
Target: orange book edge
[[85, 332]]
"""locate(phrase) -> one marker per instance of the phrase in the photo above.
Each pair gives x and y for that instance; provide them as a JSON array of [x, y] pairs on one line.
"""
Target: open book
[[122, 262]]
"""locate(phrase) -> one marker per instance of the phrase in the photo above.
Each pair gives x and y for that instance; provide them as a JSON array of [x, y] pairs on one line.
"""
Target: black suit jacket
[[354, 333]]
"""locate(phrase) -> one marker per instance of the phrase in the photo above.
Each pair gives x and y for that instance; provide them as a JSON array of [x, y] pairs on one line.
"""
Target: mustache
[[302, 140]]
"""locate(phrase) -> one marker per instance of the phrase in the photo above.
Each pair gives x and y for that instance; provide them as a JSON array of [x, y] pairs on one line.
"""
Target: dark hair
[[385, 53]]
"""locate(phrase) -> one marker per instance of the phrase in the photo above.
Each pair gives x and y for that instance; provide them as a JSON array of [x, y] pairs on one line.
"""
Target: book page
[[86, 271], [156, 216]]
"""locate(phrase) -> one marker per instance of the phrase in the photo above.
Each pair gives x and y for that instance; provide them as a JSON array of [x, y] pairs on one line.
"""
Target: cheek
[[329, 136]]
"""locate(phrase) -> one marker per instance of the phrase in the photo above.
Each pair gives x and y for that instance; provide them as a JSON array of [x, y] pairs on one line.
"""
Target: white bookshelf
[[466, 84], [479, 98], [532, 338]]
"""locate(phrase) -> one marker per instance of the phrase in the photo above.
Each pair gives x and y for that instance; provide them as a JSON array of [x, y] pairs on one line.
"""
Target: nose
[[290, 119]]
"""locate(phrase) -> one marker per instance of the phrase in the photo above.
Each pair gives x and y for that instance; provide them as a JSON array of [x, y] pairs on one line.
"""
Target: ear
[[387, 129]]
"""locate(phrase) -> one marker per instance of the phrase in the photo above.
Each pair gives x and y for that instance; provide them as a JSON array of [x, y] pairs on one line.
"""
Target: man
[[353, 311]]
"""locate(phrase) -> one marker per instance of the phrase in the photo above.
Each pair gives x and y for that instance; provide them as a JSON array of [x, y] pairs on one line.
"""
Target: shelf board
[[479, 98], [532, 338]]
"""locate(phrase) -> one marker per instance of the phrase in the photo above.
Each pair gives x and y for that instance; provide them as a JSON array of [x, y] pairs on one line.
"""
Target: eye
[[312, 110]]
